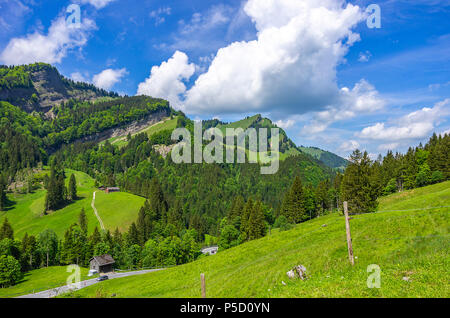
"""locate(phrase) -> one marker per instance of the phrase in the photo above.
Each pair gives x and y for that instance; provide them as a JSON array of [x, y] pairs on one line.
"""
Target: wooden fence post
[[349, 236], [202, 278]]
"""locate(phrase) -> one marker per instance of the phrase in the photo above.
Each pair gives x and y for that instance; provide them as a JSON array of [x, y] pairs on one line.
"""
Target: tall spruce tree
[[358, 188], [6, 230], [72, 187], [256, 222], [293, 207], [83, 221]]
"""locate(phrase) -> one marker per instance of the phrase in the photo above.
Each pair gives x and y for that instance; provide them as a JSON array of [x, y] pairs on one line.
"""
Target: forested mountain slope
[[39, 87]]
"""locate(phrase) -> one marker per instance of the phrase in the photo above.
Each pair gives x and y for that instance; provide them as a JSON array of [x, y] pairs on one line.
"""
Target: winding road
[[64, 289], [96, 213]]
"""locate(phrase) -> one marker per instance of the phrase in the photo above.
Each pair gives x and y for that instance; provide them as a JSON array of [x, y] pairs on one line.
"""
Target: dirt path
[[96, 213]]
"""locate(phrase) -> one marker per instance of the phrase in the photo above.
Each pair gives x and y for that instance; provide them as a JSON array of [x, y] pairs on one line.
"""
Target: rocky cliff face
[[49, 88]]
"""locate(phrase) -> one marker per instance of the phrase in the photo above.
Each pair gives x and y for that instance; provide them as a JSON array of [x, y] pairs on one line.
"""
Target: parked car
[[102, 278]]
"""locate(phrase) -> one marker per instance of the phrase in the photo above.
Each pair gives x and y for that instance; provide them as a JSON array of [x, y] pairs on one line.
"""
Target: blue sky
[[314, 67]]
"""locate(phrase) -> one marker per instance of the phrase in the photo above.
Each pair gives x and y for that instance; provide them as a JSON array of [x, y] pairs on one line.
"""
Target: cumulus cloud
[[291, 66], [78, 77], [50, 48], [285, 124], [109, 77], [98, 4], [166, 80], [349, 145], [391, 146], [363, 98], [416, 125]]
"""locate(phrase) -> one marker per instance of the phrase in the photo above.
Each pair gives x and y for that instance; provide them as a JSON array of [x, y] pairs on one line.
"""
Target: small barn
[[102, 264], [112, 189]]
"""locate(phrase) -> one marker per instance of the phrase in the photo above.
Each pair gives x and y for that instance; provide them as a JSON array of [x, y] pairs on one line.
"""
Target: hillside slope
[[408, 239], [117, 210], [39, 87], [287, 146]]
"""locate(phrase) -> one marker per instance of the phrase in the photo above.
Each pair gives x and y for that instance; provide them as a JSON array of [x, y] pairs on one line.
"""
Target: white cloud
[[363, 98], [416, 125], [50, 48], [78, 77], [285, 124], [291, 66], [159, 15], [98, 4], [391, 146], [109, 77], [349, 145], [364, 56], [447, 132], [166, 80]]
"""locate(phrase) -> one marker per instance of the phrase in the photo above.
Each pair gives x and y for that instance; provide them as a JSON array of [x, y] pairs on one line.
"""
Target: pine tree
[[256, 222], [293, 207], [245, 217], [358, 188], [133, 235], [72, 187], [6, 230], [83, 221]]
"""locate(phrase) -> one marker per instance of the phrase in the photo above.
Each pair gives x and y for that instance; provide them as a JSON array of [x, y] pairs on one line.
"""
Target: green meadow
[[40, 280], [117, 210], [408, 239]]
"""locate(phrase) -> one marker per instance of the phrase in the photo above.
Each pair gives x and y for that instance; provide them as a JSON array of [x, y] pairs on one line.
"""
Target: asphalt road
[[63, 289]]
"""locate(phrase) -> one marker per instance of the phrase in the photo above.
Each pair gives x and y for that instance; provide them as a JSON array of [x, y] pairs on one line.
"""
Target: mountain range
[[40, 88]]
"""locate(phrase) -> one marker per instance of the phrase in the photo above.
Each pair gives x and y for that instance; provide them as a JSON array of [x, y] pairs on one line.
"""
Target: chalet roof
[[104, 259], [113, 188]]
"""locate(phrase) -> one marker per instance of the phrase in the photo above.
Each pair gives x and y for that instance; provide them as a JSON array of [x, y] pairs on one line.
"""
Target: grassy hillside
[[116, 209], [410, 246], [41, 279], [167, 124]]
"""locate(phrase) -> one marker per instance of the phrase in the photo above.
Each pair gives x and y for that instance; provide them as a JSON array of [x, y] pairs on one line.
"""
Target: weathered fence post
[[202, 278], [349, 236]]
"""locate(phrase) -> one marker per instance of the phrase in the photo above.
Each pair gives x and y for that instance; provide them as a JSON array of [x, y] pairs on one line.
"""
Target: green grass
[[166, 124], [26, 215], [116, 209], [40, 280], [413, 244]]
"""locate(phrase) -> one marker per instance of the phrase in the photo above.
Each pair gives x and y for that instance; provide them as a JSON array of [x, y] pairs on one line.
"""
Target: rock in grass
[[297, 272]]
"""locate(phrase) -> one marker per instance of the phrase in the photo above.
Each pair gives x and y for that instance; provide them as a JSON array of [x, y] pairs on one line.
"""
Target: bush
[[282, 223], [229, 237], [10, 272], [437, 177], [391, 187]]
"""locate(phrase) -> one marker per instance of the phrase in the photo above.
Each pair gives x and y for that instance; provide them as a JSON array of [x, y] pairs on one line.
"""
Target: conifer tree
[[357, 187], [72, 187], [256, 222], [293, 207], [82, 221], [6, 230]]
